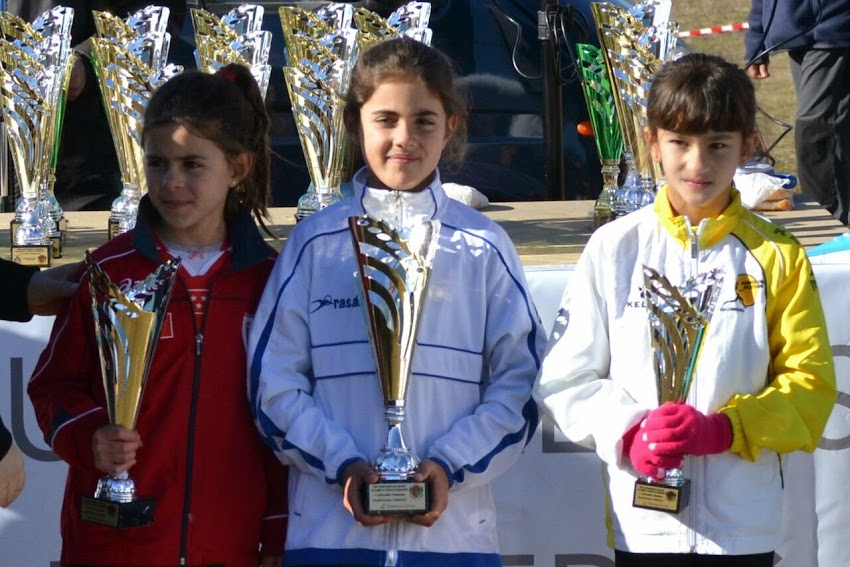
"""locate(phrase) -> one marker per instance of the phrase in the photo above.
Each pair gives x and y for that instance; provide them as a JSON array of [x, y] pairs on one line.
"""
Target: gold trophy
[[394, 273], [236, 37], [129, 58], [127, 328], [678, 320], [35, 64], [321, 50]]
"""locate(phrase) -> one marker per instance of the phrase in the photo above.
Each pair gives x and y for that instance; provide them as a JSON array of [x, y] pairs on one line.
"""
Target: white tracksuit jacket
[[317, 401], [766, 363]]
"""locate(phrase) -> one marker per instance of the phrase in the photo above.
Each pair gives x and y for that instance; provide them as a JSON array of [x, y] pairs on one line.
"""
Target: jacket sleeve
[[14, 279], [273, 534], [574, 386], [790, 414], [280, 376], [66, 388], [754, 36], [481, 446]]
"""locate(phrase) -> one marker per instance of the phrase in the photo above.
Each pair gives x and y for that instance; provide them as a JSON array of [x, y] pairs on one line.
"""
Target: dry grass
[[775, 95]]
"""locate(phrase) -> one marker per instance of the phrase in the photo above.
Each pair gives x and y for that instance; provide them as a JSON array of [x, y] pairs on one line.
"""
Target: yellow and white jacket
[[765, 362]]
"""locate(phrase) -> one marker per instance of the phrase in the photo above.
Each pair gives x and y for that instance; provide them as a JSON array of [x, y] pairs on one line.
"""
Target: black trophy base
[[112, 229], [135, 514], [661, 497], [32, 255], [396, 498]]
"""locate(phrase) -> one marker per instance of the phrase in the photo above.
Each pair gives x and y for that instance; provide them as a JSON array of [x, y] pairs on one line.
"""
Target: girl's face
[[699, 169], [188, 182], [403, 130]]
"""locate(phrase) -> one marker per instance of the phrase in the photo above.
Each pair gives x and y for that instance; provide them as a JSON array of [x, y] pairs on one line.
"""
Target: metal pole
[[553, 119]]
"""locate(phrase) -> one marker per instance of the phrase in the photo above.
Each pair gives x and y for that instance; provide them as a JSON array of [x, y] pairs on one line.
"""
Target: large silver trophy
[[127, 328], [678, 320], [236, 37], [129, 58], [394, 273], [35, 67]]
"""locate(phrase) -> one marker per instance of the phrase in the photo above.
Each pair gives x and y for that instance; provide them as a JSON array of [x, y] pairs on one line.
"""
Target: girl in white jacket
[[314, 392], [764, 382]]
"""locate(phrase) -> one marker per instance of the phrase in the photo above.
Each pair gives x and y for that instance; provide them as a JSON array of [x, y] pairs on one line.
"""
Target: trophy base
[[112, 229], [135, 514], [396, 498], [32, 255], [661, 497]]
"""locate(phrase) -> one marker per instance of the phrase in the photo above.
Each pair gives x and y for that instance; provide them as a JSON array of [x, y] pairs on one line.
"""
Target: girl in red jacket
[[218, 491]]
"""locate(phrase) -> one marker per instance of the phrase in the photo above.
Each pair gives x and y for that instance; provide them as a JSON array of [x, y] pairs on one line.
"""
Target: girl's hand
[[355, 477], [438, 484], [11, 476], [114, 448]]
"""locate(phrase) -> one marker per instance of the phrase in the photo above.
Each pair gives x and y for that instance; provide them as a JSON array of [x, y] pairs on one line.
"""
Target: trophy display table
[[544, 232]]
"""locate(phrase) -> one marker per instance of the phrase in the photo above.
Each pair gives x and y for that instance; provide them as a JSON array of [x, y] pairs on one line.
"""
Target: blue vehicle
[[499, 58]]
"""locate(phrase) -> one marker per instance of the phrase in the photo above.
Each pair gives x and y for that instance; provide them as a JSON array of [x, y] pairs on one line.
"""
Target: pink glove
[[646, 461], [677, 429]]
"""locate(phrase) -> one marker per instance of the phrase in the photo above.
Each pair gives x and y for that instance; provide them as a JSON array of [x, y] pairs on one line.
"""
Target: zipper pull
[[199, 339]]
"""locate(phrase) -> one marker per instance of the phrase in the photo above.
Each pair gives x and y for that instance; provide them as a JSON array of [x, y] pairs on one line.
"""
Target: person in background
[[764, 383], [26, 291], [816, 36], [219, 492]]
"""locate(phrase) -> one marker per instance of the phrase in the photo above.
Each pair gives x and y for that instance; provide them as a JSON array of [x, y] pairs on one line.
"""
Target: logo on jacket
[[746, 289], [328, 301]]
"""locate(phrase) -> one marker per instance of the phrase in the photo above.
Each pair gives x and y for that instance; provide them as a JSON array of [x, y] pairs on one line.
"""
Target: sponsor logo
[[329, 301], [746, 290]]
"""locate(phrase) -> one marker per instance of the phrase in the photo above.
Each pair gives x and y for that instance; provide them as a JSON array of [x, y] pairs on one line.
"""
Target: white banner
[[551, 504]]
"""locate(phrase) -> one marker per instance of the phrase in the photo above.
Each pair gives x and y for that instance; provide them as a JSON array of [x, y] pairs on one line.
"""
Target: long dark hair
[[226, 108]]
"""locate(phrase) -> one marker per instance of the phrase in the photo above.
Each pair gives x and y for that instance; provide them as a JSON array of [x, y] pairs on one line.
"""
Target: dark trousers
[[625, 559], [822, 129]]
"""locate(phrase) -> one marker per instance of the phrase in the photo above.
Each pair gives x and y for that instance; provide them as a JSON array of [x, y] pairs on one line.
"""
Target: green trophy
[[678, 320], [599, 96]]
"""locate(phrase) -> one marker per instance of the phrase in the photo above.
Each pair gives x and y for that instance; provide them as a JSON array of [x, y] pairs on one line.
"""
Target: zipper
[[393, 529], [193, 411]]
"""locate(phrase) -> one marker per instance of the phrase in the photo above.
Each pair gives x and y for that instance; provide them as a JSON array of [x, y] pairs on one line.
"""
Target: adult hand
[[114, 449], [643, 457], [758, 70], [676, 429], [49, 289], [354, 478], [11, 476], [77, 82], [438, 485]]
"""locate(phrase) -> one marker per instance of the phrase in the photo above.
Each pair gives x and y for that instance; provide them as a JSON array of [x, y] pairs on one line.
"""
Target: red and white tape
[[740, 26]]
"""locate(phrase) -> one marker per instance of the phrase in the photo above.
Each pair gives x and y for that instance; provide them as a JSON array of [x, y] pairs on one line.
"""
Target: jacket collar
[[399, 209], [715, 230], [248, 245]]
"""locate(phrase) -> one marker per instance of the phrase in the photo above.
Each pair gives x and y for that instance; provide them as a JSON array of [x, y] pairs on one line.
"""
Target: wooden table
[[545, 233]]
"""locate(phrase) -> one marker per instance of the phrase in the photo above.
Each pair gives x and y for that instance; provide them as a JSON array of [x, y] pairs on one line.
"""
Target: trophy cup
[[598, 94], [394, 274], [129, 59], [678, 320], [127, 327], [409, 19], [35, 64], [321, 50], [236, 37]]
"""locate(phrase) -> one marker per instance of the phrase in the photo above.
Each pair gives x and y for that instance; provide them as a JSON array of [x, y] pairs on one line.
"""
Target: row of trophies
[[129, 57], [615, 79]]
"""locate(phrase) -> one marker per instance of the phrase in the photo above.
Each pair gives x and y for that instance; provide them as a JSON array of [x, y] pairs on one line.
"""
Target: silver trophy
[[127, 328], [678, 320], [394, 273], [129, 58], [236, 37], [35, 66]]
